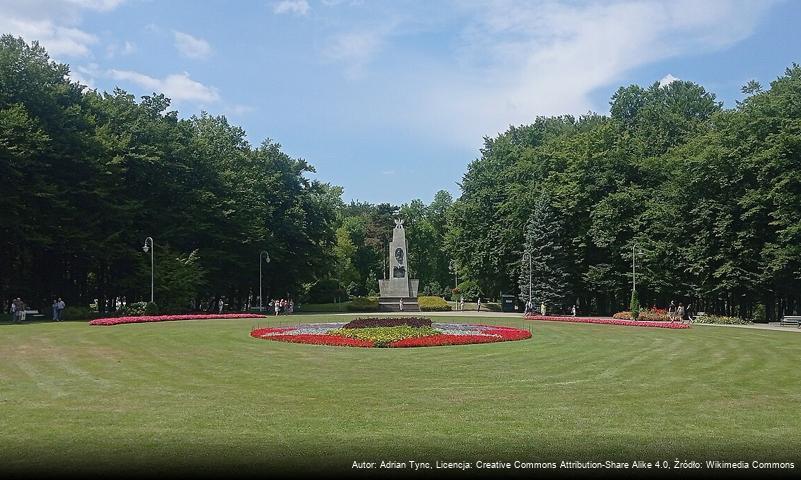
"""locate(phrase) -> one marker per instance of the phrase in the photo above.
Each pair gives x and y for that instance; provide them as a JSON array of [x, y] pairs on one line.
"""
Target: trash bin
[[507, 303]]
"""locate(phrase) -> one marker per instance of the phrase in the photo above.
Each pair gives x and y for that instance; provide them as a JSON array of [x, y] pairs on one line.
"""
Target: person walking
[[277, 305], [400, 304], [14, 310], [478, 304], [672, 311], [542, 309], [60, 306], [461, 303], [55, 309], [220, 305], [573, 310]]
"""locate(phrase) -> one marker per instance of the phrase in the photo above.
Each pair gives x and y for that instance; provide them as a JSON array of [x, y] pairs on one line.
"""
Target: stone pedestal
[[398, 286]]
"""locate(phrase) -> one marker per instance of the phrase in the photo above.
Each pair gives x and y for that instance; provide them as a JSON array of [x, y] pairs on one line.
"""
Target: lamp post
[[267, 259], [527, 254], [452, 268], [152, 249]]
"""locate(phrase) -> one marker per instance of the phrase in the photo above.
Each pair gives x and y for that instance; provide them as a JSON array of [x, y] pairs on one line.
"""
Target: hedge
[[433, 304]]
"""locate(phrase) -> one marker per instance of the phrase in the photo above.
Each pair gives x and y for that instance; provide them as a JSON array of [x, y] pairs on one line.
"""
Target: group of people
[[529, 309], [679, 313], [460, 303], [58, 309], [17, 310], [282, 306]]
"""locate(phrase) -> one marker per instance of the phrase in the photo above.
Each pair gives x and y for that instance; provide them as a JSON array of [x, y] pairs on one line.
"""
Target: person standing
[[671, 311], [60, 306], [277, 305], [14, 310], [679, 313], [461, 303], [574, 310], [478, 304], [400, 304], [55, 309], [220, 305], [20, 310], [542, 308]]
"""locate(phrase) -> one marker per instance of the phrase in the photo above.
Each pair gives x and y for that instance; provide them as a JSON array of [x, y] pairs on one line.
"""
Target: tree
[[543, 242]]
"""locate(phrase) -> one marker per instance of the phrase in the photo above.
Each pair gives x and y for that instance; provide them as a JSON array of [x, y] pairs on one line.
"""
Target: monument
[[398, 288]]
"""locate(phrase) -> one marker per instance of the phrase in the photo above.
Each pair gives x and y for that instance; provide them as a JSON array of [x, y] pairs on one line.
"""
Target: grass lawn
[[205, 395]]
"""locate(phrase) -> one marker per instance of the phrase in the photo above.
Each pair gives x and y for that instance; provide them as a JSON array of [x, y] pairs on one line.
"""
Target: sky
[[392, 99]]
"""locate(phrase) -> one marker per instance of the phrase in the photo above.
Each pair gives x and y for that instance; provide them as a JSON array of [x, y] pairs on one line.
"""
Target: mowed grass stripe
[[205, 391]]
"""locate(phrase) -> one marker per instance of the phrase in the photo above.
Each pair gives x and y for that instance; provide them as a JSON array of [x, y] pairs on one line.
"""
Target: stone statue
[[399, 289]]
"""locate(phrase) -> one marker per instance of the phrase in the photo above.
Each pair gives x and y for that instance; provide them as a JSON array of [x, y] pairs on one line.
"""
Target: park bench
[[790, 320]]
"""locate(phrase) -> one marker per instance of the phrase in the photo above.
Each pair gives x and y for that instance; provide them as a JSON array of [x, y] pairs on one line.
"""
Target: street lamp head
[[146, 248], [266, 256]]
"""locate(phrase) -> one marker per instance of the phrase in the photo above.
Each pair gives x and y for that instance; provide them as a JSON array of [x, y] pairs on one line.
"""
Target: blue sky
[[391, 99]]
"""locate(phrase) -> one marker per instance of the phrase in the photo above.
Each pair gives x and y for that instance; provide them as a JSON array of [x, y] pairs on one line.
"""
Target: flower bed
[[399, 336], [608, 321], [414, 322], [169, 318]]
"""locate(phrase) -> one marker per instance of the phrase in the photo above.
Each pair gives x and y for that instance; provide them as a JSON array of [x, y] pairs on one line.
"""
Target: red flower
[[334, 340], [609, 321], [170, 318]]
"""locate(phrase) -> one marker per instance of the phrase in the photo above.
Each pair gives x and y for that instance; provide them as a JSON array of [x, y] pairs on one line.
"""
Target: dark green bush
[[634, 308], [326, 291], [433, 304], [363, 304], [151, 308], [81, 313]]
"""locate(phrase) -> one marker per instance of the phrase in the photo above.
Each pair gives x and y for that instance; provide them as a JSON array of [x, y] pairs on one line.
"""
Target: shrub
[[653, 315], [151, 308], [622, 315], [414, 322], [80, 313], [433, 304], [635, 305], [363, 304], [722, 320], [133, 309]]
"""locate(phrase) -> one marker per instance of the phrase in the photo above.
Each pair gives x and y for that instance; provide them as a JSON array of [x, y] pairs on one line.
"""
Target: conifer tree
[[549, 279]]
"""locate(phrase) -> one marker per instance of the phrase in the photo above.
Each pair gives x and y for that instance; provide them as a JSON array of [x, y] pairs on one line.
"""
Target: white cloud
[[53, 23], [190, 46], [85, 74], [237, 109], [667, 80], [178, 87], [297, 7], [115, 49], [517, 60]]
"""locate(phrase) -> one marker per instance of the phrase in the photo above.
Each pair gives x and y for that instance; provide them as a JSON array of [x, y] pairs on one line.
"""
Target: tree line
[[706, 201]]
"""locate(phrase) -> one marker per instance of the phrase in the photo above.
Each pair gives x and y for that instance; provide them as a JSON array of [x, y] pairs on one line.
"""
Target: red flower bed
[[450, 336], [333, 340], [609, 321], [170, 318], [498, 334]]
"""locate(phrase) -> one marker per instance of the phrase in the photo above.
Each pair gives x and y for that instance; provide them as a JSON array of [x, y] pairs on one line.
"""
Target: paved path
[[757, 326]]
